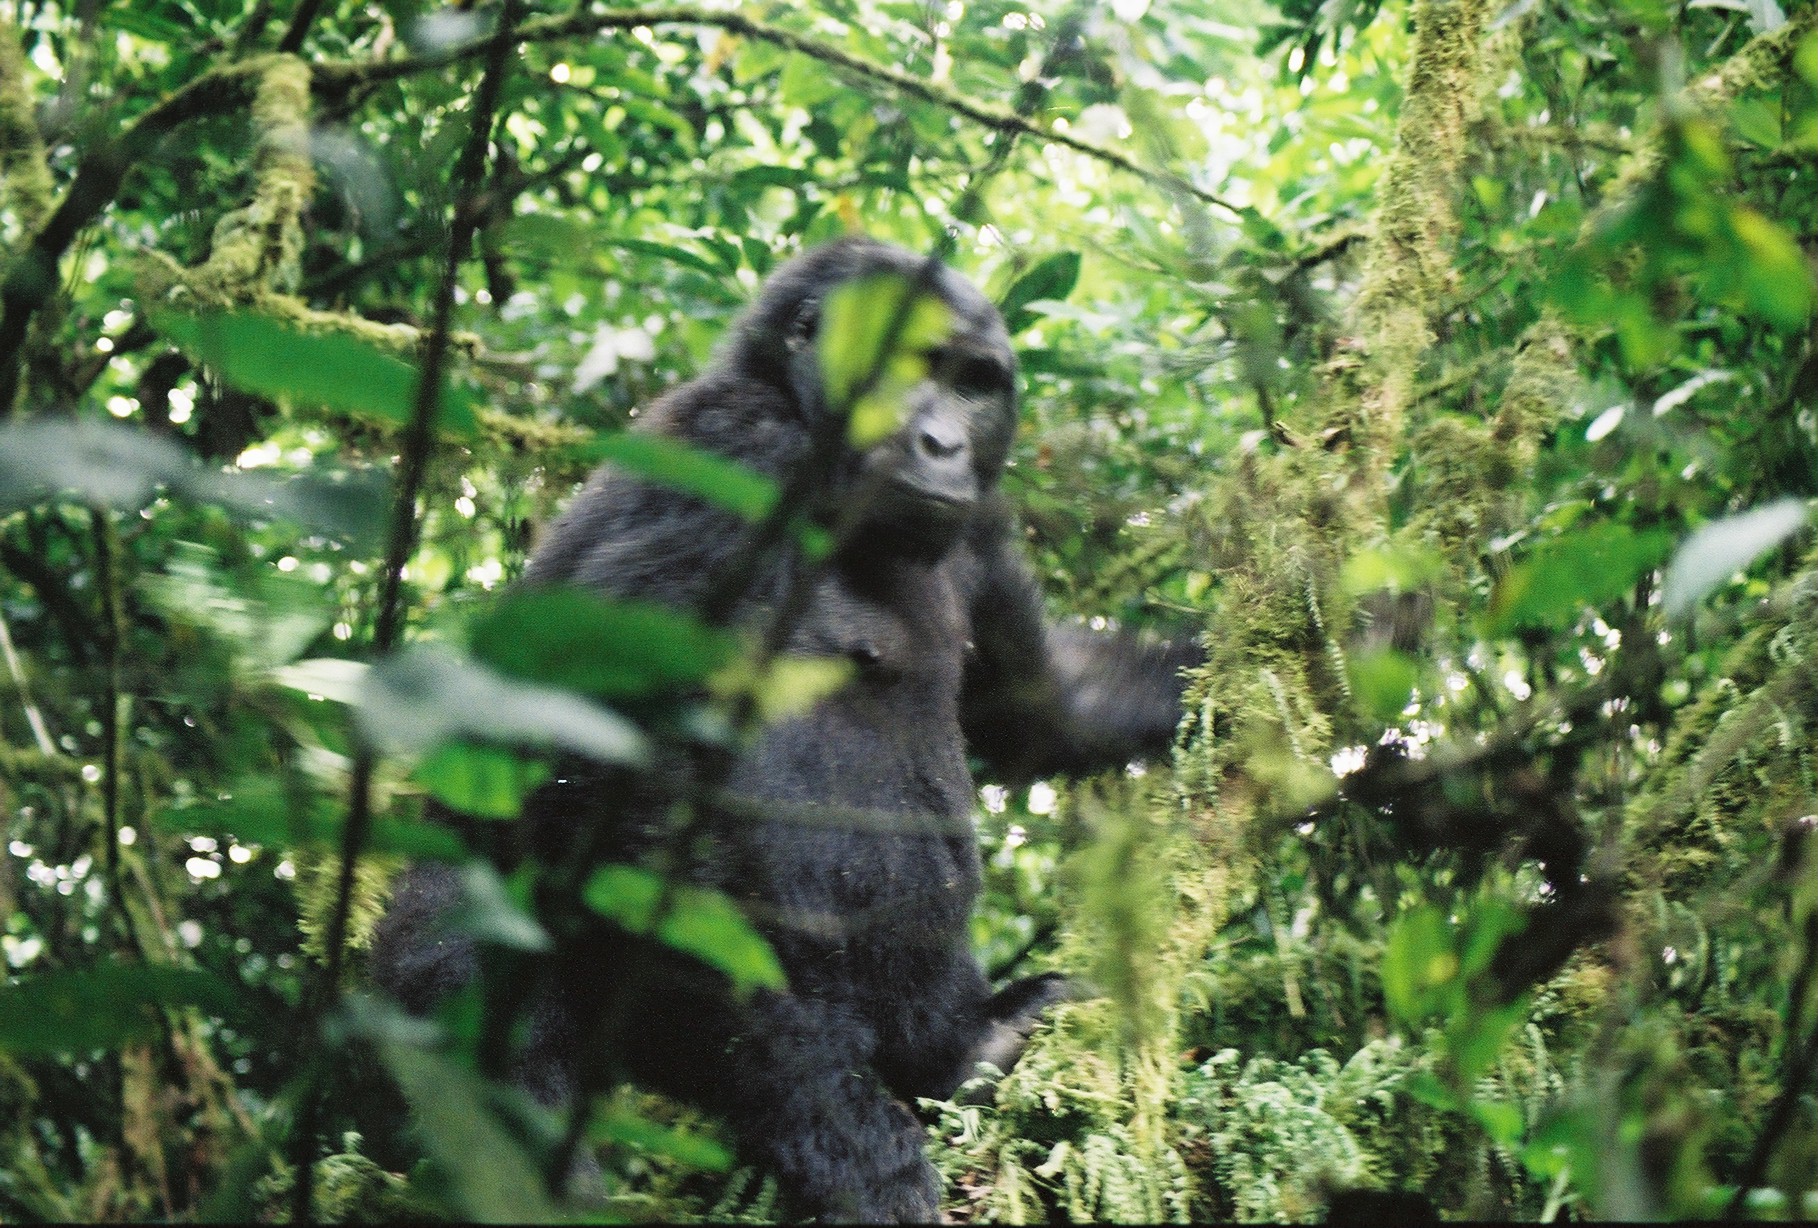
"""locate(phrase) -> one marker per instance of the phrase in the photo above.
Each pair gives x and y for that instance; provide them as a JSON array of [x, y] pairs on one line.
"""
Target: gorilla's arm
[[1041, 699]]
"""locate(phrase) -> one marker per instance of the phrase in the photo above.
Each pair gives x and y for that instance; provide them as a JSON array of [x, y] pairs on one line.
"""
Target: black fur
[[850, 841]]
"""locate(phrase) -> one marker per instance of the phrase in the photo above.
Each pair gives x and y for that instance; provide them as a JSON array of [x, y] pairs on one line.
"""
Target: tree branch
[[331, 77], [32, 277]]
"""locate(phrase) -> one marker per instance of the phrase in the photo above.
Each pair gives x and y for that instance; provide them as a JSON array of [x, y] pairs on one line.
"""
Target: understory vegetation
[[1448, 366]]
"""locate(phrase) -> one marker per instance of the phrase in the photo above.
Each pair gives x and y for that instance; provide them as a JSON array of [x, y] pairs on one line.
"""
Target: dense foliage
[[1451, 365]]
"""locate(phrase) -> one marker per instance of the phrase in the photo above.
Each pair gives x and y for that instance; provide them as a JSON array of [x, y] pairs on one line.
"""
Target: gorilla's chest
[[890, 738], [863, 804]]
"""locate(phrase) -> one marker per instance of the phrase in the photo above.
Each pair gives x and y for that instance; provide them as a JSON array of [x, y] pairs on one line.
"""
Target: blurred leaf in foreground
[[1716, 551]]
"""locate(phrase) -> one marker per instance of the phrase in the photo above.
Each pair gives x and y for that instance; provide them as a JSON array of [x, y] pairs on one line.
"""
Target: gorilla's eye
[[801, 328], [978, 378]]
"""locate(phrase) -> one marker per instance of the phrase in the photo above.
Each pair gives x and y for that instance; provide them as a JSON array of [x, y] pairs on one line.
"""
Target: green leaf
[[490, 1175], [489, 913], [856, 323], [715, 480], [1591, 566], [1400, 568], [123, 467], [667, 252], [1718, 550], [350, 504], [1489, 921], [324, 678], [792, 685], [705, 924], [577, 640], [1756, 122], [425, 696], [274, 359], [104, 1006], [1477, 1033], [486, 781], [1500, 1120], [259, 811], [1425, 1087], [1052, 278], [617, 1123], [269, 617], [1383, 681], [806, 83], [99, 462], [1566, 1141], [1805, 59], [1418, 961], [1776, 280], [551, 237]]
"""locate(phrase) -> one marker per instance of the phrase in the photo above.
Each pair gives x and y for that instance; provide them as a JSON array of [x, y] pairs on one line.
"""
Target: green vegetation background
[[1449, 363]]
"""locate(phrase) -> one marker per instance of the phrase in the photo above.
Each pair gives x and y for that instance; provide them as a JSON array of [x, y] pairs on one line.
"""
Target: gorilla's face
[[922, 484]]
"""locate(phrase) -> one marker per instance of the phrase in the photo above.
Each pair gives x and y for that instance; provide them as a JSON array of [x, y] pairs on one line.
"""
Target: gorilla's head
[[923, 483]]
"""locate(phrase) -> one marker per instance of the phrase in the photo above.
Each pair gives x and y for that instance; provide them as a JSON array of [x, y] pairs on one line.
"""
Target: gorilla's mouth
[[909, 518], [908, 498]]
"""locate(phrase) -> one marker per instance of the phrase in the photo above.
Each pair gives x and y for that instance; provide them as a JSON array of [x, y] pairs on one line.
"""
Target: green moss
[[349, 1189], [317, 878], [25, 181], [1409, 267], [261, 243]]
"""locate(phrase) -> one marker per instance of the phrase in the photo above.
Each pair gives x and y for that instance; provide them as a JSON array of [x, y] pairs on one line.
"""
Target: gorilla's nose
[[940, 440]]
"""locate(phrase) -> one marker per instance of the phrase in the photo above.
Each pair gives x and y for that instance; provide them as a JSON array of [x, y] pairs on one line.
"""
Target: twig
[[33, 717], [551, 29], [299, 25], [388, 626], [1802, 1057], [230, 88], [251, 29], [113, 705]]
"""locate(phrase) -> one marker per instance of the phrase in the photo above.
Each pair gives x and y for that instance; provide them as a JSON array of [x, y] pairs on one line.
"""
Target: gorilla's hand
[[1014, 1011]]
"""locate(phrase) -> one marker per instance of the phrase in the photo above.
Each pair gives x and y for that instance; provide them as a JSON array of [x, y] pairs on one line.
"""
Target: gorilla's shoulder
[[748, 420]]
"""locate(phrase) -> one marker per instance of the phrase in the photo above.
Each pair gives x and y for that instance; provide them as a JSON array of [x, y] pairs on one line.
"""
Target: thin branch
[[230, 88], [32, 278], [33, 717], [468, 212], [251, 29], [1801, 1058], [299, 25], [330, 77], [113, 635]]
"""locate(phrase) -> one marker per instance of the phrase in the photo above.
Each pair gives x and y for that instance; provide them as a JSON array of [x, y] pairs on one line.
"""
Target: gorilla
[[844, 832]]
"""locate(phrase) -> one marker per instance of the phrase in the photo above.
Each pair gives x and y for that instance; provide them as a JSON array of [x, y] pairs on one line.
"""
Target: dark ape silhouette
[[847, 834]]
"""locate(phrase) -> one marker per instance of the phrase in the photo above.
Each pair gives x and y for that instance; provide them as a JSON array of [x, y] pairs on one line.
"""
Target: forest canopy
[[1447, 367]]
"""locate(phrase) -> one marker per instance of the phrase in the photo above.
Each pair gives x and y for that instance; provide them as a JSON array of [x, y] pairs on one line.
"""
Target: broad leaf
[[712, 478], [73, 1011], [1591, 566], [258, 811], [1053, 278], [425, 696], [577, 640], [1718, 550], [489, 782], [705, 924], [281, 362], [866, 367]]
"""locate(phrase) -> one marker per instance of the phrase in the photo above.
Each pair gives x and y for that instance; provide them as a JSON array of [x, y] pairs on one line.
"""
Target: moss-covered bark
[[25, 182]]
